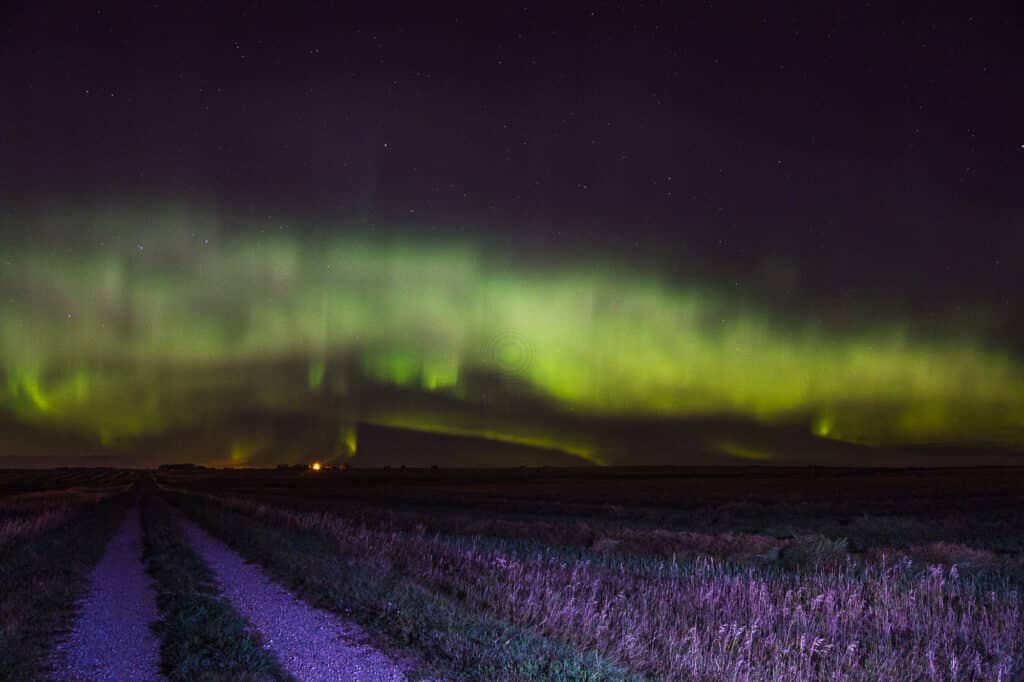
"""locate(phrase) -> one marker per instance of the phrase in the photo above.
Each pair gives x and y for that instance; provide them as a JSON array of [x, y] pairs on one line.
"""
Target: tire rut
[[111, 638], [310, 643]]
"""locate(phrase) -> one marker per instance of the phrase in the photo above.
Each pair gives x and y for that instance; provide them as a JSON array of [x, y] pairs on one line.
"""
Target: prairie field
[[646, 574], [514, 574]]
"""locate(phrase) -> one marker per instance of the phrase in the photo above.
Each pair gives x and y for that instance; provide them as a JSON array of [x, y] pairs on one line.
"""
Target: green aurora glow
[[117, 334]]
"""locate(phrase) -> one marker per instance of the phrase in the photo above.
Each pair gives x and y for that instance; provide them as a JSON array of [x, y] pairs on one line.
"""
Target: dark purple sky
[[873, 154]]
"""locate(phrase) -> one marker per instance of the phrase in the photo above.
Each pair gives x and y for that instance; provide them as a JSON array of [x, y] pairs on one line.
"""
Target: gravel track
[[111, 639], [310, 644]]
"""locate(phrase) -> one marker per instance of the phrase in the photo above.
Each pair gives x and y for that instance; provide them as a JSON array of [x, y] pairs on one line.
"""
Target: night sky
[[513, 222]]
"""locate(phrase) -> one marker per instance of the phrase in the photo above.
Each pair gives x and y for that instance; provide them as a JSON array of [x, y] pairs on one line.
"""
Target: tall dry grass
[[29, 515], [707, 619]]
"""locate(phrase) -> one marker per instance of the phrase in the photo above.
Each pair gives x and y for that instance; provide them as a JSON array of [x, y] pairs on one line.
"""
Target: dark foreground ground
[[562, 574]]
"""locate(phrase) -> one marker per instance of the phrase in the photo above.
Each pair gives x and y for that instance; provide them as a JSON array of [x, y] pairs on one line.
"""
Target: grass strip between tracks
[[203, 636]]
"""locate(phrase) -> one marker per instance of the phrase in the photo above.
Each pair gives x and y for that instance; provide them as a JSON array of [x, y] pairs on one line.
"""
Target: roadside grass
[[813, 613], [447, 632], [202, 636], [28, 515], [25, 525], [40, 582]]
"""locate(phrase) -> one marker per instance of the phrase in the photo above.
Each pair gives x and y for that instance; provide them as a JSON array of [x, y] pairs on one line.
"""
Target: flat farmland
[[636, 573]]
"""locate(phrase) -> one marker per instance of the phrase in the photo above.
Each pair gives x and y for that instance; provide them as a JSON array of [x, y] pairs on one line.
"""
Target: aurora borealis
[[137, 331], [554, 227]]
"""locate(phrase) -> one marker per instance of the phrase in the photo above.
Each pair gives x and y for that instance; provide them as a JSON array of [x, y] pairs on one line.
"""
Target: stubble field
[[544, 574]]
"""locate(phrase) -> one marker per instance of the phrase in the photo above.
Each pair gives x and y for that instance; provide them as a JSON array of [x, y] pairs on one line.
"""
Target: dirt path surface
[[311, 644], [111, 639]]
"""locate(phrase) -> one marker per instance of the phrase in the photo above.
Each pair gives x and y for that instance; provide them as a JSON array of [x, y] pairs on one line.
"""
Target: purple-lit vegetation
[[28, 518], [736, 607], [27, 515], [46, 557]]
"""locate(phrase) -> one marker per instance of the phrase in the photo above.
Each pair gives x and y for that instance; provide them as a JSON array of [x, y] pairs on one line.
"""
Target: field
[[663, 574], [567, 574]]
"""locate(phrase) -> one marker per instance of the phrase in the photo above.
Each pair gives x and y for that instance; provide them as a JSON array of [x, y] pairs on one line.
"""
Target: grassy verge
[[40, 582], [203, 637], [460, 641]]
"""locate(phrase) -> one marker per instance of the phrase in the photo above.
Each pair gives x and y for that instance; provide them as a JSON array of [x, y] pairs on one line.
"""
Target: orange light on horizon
[[315, 466]]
